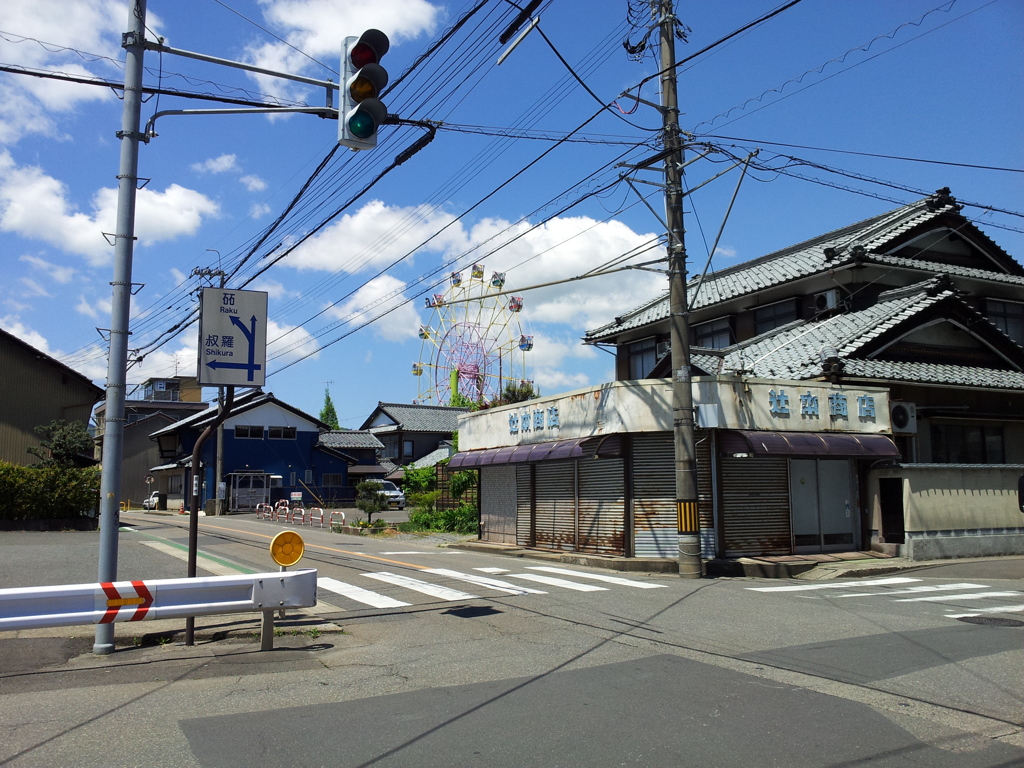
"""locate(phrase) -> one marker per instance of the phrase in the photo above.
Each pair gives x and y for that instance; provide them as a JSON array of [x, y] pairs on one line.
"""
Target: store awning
[[838, 444], [607, 447]]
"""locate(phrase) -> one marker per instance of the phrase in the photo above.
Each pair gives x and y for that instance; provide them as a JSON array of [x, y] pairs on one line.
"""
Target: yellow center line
[[310, 546]]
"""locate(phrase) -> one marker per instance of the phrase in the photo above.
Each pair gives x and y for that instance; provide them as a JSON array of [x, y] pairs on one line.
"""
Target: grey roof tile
[[349, 438], [419, 418]]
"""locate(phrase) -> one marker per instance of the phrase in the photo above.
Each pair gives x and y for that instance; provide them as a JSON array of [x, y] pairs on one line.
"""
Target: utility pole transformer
[[682, 395]]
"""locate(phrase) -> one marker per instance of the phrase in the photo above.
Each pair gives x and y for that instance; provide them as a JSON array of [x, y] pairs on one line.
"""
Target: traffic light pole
[[682, 395]]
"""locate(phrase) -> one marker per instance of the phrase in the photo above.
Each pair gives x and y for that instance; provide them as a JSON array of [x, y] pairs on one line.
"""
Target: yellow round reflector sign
[[287, 548]]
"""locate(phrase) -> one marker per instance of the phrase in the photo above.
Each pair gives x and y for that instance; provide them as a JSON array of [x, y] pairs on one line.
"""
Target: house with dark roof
[[916, 311], [37, 389], [410, 432], [272, 451]]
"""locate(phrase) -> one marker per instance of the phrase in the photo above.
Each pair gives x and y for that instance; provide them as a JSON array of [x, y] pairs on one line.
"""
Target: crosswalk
[[898, 589], [481, 580]]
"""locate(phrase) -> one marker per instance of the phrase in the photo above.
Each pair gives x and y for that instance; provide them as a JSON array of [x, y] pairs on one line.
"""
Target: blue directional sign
[[232, 338]]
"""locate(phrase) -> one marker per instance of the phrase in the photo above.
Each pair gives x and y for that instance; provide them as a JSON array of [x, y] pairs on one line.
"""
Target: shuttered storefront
[[555, 504], [654, 496], [602, 507], [498, 504], [524, 504], [755, 506]]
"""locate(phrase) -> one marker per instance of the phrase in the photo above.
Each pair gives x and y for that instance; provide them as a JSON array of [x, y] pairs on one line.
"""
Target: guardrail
[[103, 603]]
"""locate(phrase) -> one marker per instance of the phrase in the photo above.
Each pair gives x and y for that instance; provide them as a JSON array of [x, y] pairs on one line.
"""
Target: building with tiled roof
[[863, 389], [410, 432]]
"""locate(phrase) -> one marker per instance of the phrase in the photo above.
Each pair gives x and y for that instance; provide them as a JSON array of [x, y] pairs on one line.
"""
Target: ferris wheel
[[474, 343]]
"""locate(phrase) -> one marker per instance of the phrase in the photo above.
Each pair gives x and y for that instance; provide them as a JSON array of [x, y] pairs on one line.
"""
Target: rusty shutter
[[498, 504], [524, 504], [654, 496], [755, 506], [602, 507], [555, 504], [705, 493]]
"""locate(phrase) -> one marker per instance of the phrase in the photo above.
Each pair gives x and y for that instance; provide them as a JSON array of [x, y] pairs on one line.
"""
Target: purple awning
[[608, 446], [846, 444]]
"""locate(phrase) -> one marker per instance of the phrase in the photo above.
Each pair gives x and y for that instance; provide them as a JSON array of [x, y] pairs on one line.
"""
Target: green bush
[[462, 519], [419, 480], [47, 493], [370, 499], [425, 500], [461, 482], [424, 518]]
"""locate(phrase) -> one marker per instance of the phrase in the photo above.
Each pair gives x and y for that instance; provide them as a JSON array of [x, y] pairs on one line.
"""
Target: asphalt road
[[533, 668]]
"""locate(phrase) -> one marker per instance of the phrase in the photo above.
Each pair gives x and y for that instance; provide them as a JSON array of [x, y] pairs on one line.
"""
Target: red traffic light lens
[[362, 54]]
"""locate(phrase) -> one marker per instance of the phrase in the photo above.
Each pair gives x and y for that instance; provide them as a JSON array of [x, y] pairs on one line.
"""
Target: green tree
[[518, 392], [62, 443], [461, 482], [328, 415], [370, 498]]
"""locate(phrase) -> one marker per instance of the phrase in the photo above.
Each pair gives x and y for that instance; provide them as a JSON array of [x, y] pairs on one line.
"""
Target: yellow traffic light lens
[[361, 88]]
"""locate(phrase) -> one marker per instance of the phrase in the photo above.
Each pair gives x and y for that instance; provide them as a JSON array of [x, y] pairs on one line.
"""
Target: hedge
[[47, 493]]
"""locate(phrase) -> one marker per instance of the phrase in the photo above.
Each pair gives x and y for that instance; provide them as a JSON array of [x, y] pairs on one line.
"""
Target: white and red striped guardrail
[[71, 604]]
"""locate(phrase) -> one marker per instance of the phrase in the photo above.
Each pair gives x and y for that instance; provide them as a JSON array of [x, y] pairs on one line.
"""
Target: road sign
[[232, 338]]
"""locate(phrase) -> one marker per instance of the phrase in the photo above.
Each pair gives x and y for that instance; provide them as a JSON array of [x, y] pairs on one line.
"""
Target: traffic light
[[360, 111]]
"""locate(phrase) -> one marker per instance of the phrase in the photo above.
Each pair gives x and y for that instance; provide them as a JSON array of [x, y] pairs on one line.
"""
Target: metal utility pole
[[682, 395], [117, 363]]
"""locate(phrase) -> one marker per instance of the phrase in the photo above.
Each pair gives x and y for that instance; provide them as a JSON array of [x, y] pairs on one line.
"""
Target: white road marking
[[423, 552], [484, 581], [597, 577], [912, 590], [837, 585], [358, 594], [558, 582], [202, 561], [979, 611], [492, 570], [947, 598], [434, 590]]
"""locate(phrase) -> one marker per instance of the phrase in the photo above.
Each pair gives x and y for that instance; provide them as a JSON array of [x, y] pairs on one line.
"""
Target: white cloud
[[55, 272], [83, 307], [374, 236], [220, 164], [259, 210], [286, 343], [725, 252], [275, 289], [32, 288], [35, 206], [253, 183], [374, 298], [317, 27]]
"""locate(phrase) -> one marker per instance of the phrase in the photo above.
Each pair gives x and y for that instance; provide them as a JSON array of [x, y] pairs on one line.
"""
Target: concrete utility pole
[[682, 395], [117, 362]]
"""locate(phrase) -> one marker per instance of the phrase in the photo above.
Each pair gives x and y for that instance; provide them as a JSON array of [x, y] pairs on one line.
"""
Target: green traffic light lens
[[362, 125]]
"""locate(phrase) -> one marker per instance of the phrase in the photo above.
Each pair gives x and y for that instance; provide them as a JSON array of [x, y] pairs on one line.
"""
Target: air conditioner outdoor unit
[[826, 300], [903, 417]]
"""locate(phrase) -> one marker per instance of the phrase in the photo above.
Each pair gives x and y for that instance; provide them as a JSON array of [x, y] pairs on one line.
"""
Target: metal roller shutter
[[524, 505], [755, 506], [555, 505], [706, 494], [498, 504], [602, 507], [654, 496]]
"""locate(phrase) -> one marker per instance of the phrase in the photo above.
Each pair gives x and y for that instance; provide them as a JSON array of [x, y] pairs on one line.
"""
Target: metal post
[[117, 362], [193, 514], [682, 395]]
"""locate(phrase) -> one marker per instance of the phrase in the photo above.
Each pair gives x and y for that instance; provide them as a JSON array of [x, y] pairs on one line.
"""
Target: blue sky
[[914, 79]]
